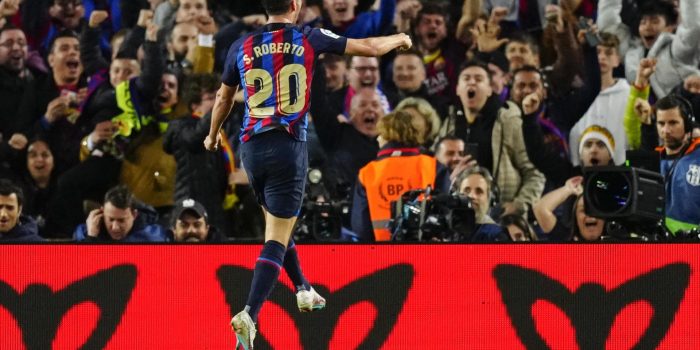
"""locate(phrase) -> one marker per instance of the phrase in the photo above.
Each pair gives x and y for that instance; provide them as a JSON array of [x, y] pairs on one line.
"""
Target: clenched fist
[[531, 103], [97, 17], [212, 143], [642, 109], [407, 43]]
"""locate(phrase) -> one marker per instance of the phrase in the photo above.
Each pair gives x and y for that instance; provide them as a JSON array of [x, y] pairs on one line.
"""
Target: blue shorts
[[276, 165]]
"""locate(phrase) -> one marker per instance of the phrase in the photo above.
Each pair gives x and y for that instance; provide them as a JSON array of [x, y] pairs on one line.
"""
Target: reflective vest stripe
[[380, 224]]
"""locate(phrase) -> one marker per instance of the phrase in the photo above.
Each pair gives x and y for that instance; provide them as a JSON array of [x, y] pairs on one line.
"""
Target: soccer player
[[274, 66]]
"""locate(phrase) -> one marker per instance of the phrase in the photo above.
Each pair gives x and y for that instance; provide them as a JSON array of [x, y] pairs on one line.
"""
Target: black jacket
[[347, 149], [14, 93], [100, 104], [38, 202], [25, 231], [438, 102], [200, 175], [564, 111]]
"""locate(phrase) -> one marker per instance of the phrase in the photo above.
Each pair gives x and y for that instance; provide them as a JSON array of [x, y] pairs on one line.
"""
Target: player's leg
[[265, 275], [270, 261], [283, 190], [254, 154], [277, 170], [307, 298], [293, 267], [291, 264]]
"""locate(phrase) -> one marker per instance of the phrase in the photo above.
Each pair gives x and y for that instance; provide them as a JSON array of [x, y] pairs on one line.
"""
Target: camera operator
[[476, 183], [560, 213], [680, 162], [584, 227], [399, 167]]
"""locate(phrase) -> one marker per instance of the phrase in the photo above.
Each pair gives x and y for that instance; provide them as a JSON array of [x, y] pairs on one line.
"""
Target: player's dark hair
[[276, 7], [7, 188]]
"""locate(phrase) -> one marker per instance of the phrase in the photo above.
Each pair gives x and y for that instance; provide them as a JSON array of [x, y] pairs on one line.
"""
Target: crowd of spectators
[[105, 105]]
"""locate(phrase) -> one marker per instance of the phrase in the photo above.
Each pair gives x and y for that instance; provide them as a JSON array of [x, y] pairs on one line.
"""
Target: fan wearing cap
[[610, 105], [190, 223]]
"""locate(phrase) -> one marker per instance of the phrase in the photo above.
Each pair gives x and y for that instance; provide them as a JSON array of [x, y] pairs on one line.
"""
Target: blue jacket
[[368, 24], [110, 27], [145, 229], [26, 231], [682, 188], [488, 233], [147, 233]]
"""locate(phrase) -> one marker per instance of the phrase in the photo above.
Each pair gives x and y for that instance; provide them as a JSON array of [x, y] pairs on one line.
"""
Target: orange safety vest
[[385, 180]]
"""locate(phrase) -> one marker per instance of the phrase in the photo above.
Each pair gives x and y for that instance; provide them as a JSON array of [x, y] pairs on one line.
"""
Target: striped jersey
[[274, 66]]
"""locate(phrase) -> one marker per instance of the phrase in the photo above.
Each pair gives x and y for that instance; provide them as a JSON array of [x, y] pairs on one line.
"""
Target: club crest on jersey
[[693, 175]]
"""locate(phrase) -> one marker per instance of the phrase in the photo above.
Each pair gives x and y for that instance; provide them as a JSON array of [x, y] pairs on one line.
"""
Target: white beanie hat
[[599, 133]]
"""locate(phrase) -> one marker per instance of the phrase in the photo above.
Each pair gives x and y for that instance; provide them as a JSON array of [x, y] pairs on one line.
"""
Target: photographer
[[558, 211], [476, 183], [585, 228], [399, 167]]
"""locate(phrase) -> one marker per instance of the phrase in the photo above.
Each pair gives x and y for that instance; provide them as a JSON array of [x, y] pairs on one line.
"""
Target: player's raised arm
[[377, 46], [222, 108]]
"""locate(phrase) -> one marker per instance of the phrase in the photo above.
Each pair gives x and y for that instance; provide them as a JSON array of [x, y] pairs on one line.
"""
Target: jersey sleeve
[[323, 40], [231, 76]]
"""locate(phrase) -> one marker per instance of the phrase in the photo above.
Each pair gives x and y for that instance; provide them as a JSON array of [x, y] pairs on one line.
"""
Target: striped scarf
[[230, 198], [553, 135]]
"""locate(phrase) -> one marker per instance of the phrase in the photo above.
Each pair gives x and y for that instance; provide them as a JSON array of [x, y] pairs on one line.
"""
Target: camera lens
[[609, 192]]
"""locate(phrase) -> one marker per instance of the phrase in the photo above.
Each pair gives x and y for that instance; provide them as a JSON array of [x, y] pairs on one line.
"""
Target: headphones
[[686, 112], [494, 193]]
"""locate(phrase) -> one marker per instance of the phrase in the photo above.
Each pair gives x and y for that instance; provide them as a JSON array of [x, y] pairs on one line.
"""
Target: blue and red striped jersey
[[274, 66]]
